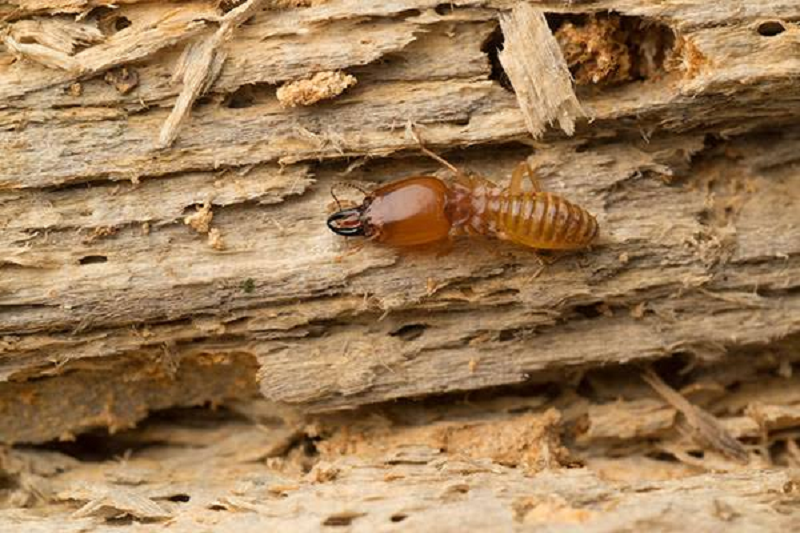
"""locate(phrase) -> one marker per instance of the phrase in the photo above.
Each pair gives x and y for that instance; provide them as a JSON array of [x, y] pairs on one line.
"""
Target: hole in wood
[[444, 9], [341, 519], [96, 447], [120, 23], [179, 498], [409, 332], [611, 49], [770, 28], [507, 335], [398, 517], [676, 368], [588, 311], [92, 259], [492, 48], [241, 98]]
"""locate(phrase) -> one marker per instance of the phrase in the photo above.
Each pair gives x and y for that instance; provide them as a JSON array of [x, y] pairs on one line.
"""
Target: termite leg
[[550, 258], [521, 170], [439, 159]]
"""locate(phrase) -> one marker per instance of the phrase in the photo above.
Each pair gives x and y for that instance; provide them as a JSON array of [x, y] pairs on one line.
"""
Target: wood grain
[[137, 277]]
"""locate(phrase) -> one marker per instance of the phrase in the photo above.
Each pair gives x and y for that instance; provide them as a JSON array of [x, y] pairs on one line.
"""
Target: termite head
[[349, 222]]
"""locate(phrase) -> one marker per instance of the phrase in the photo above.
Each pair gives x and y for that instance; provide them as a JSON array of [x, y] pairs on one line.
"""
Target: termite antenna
[[412, 129], [338, 203], [345, 184]]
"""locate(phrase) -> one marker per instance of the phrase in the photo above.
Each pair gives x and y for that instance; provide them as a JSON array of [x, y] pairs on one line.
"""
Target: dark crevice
[[8, 481], [445, 9], [507, 335], [96, 447], [409, 332], [587, 311], [92, 259], [409, 13], [120, 23], [241, 98], [340, 520], [770, 28], [492, 48], [674, 369]]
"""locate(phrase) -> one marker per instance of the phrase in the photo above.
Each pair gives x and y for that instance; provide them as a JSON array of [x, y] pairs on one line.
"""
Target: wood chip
[[707, 431], [538, 72]]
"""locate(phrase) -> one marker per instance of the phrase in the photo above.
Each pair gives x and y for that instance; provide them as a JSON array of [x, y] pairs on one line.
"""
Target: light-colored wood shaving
[[200, 220], [538, 72], [320, 86]]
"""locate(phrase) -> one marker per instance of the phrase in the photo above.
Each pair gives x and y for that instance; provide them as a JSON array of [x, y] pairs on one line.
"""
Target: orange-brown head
[[407, 212]]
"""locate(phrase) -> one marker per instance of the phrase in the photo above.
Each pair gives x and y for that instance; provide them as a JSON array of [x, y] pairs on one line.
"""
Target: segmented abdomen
[[542, 220]]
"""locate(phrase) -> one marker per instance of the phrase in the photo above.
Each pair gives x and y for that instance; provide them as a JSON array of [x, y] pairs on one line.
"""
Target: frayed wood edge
[[200, 66], [533, 61]]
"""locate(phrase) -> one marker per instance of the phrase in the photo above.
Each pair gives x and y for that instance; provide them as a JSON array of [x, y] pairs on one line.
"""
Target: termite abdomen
[[543, 220]]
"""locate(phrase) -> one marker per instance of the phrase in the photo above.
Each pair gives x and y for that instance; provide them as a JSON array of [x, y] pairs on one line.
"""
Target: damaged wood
[[253, 476], [199, 67], [144, 273], [534, 63]]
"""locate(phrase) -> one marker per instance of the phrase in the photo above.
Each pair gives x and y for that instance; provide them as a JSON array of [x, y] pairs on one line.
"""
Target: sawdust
[[123, 79], [596, 51], [320, 86], [323, 472], [609, 49], [200, 220], [100, 232], [215, 239]]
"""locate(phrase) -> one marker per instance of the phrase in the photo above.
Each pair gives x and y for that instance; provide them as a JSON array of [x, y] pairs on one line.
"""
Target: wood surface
[[165, 181]]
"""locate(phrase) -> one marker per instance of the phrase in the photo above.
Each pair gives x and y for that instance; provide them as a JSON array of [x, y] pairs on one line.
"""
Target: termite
[[421, 210]]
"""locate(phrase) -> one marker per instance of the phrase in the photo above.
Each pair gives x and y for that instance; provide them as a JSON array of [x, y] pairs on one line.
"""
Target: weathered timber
[[461, 388]]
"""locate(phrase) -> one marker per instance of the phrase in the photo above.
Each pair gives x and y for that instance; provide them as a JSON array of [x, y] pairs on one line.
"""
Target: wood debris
[[705, 428], [282, 383], [320, 86], [200, 65], [535, 65]]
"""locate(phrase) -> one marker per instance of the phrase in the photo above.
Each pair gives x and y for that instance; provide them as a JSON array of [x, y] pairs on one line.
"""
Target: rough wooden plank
[[135, 279]]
